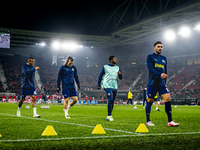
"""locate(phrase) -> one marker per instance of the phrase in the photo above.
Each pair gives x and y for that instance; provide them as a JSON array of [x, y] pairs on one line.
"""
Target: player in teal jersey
[[108, 81]]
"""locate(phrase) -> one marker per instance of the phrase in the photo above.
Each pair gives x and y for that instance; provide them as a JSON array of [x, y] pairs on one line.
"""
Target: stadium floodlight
[[69, 45], [197, 27], [42, 44], [56, 45], [185, 31], [64, 45], [72, 46], [170, 35]]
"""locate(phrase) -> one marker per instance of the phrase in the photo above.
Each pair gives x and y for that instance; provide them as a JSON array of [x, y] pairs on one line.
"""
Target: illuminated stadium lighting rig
[[41, 44], [170, 35], [197, 27], [185, 31], [56, 45], [66, 45]]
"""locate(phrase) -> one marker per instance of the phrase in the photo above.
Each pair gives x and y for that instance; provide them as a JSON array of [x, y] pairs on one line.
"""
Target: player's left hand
[[164, 76], [119, 72]]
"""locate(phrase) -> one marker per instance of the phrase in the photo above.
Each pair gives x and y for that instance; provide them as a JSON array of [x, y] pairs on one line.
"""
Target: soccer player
[[67, 74], [130, 95], [28, 85], [157, 66], [108, 81]]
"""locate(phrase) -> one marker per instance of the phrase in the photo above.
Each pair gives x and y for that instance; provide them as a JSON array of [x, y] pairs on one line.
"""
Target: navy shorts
[[111, 93], [152, 90], [69, 92], [30, 92]]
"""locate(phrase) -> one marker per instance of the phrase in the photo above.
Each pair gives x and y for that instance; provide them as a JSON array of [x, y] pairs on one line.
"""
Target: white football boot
[[109, 118], [18, 114], [150, 124], [36, 116], [172, 124], [67, 117]]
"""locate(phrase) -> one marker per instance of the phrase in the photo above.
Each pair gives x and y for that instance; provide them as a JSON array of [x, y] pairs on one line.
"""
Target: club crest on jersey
[[72, 69], [155, 59], [108, 94], [163, 61]]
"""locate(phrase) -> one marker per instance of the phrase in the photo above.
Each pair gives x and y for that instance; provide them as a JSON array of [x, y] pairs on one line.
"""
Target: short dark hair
[[30, 58], [111, 58], [158, 42]]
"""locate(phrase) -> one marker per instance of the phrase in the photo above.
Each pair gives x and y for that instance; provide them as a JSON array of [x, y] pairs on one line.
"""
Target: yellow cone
[[0, 135], [98, 130], [49, 131], [142, 128]]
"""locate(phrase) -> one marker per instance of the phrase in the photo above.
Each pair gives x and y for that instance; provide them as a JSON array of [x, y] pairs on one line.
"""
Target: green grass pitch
[[76, 133]]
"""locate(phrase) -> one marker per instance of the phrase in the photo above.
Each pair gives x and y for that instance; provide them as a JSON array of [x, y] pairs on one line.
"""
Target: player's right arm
[[100, 78]]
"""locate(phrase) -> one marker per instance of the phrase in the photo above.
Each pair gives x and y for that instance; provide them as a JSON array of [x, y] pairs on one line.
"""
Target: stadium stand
[[183, 82]]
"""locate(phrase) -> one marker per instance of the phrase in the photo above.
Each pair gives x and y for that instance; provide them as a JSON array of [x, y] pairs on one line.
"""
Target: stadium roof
[[135, 33]]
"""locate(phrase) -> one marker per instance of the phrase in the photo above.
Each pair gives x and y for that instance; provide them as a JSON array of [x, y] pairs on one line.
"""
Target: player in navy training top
[[67, 74], [157, 66], [28, 85]]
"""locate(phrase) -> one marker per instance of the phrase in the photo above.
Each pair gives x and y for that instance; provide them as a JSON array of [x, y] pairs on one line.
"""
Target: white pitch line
[[70, 123], [96, 137]]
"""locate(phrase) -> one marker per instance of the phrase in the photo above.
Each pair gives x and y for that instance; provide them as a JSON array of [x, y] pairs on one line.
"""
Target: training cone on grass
[[49, 131], [142, 128], [0, 135], [98, 130]]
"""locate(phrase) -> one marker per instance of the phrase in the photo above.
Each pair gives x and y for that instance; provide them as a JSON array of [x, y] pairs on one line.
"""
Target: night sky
[[81, 17], [71, 16]]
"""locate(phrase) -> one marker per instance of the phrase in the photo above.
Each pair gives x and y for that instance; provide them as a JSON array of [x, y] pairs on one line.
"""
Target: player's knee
[[167, 99], [66, 100], [75, 100]]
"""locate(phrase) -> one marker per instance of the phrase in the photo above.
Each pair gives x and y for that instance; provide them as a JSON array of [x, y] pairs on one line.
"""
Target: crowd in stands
[[1, 87], [12, 67]]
